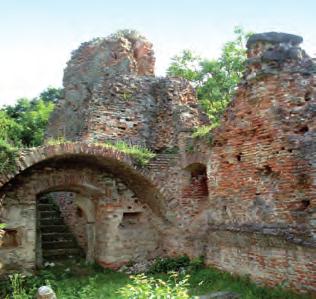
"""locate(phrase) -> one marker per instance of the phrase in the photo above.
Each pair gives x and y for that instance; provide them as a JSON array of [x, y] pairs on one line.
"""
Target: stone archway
[[123, 208]]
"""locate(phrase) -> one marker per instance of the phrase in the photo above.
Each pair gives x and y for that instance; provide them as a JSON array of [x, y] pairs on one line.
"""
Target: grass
[[81, 281], [141, 154], [56, 141]]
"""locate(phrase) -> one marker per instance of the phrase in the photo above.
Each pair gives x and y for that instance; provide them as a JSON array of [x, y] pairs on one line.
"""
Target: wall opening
[[61, 227], [130, 219], [10, 238], [197, 186]]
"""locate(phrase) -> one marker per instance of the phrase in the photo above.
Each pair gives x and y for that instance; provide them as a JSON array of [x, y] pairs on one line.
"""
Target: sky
[[37, 36]]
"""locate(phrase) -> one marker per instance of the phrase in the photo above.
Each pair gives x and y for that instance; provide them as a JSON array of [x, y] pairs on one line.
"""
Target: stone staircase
[[58, 243]]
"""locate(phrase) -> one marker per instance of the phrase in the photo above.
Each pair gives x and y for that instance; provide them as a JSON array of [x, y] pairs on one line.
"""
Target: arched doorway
[[119, 207]]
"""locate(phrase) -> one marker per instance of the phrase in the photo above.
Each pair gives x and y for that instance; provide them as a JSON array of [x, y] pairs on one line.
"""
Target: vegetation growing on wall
[[215, 80], [8, 155], [141, 154]]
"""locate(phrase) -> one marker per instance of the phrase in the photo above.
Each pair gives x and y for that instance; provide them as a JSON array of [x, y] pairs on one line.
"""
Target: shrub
[[8, 154], [197, 263], [203, 131], [164, 265], [143, 287]]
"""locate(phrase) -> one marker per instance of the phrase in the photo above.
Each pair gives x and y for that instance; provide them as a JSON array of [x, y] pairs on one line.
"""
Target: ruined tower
[[111, 93]]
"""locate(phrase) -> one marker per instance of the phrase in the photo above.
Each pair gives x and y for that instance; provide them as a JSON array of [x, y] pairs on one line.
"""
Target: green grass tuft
[[141, 154]]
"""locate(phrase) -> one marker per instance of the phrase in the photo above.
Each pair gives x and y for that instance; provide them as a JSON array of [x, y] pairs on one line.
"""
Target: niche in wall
[[11, 238], [130, 219], [198, 179]]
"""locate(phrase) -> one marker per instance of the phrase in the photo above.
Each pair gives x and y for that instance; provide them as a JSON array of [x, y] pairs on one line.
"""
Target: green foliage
[[55, 141], [143, 287], [141, 154], [73, 280], [204, 130], [197, 263], [10, 130], [51, 95], [215, 80], [17, 283], [8, 154], [2, 225], [24, 123], [165, 265]]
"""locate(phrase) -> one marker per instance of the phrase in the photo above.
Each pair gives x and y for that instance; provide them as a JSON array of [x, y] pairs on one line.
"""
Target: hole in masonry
[[267, 169], [79, 212], [238, 157], [303, 129], [10, 238], [305, 203], [130, 218], [308, 96], [198, 179]]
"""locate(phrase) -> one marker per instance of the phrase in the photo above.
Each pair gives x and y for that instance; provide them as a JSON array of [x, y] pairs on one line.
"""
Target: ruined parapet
[[271, 52], [110, 93]]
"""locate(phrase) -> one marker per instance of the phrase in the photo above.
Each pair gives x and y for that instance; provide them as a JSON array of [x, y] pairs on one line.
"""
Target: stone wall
[[261, 170], [111, 94], [124, 226], [246, 201]]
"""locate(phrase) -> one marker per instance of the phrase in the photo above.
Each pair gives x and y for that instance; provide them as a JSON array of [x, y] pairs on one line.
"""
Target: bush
[[164, 265], [143, 287], [8, 154]]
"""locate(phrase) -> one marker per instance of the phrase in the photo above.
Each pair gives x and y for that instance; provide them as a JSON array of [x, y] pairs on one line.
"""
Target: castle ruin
[[245, 201]]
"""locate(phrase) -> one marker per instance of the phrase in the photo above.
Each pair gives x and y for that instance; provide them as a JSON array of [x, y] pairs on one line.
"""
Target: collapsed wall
[[261, 170], [110, 94], [245, 201]]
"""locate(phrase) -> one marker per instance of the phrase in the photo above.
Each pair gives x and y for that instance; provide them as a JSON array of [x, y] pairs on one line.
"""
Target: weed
[[141, 154], [55, 141], [204, 131]]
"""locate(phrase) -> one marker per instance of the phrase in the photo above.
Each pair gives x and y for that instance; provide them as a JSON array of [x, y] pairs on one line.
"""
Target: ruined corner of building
[[245, 201]]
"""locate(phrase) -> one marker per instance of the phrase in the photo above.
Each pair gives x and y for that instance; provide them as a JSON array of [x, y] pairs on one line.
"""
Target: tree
[[215, 80], [10, 130], [24, 123], [51, 94]]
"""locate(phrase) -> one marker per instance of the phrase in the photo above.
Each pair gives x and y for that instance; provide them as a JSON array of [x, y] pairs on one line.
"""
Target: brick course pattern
[[246, 201]]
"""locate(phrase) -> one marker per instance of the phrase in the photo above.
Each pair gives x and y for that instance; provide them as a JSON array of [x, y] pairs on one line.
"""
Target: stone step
[[51, 221], [49, 214], [59, 244], [65, 252], [50, 237], [47, 207], [61, 228]]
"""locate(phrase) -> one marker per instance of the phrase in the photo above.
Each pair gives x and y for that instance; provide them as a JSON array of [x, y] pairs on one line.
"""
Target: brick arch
[[47, 158]]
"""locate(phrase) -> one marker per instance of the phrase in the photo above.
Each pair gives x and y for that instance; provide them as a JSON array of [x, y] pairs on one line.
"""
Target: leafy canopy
[[215, 80], [24, 124]]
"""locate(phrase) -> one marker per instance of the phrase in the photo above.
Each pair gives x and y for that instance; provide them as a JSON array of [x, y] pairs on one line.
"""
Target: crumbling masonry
[[246, 201]]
